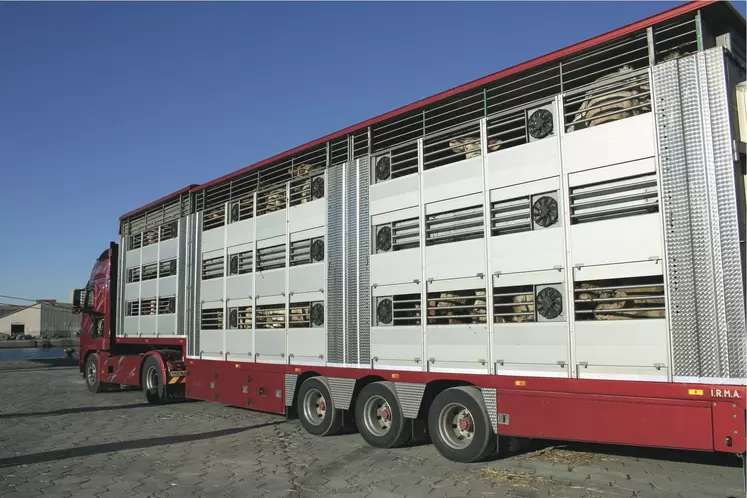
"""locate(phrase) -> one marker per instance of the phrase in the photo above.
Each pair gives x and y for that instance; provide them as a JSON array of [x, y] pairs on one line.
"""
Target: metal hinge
[[503, 419]]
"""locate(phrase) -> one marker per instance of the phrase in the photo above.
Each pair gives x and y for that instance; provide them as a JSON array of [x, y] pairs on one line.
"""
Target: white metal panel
[[611, 143], [528, 251], [307, 345], [396, 289], [522, 345], [397, 346], [274, 299], [396, 267], [240, 232], [455, 179], [234, 302], [167, 286], [148, 326], [271, 225], [308, 215], [529, 278], [307, 278], [211, 344], [148, 289], [235, 249], [392, 195], [455, 260], [273, 241], [398, 215], [458, 346], [622, 270], [525, 189], [132, 292], [132, 258], [239, 345], [149, 254], [456, 284], [270, 345], [168, 249], [615, 171], [623, 343], [130, 326], [524, 163], [213, 240], [167, 325], [452, 203], [239, 286], [270, 283], [620, 240], [307, 234], [211, 290]]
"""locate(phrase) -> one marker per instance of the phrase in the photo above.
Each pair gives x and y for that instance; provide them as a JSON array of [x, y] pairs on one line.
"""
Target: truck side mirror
[[83, 300]]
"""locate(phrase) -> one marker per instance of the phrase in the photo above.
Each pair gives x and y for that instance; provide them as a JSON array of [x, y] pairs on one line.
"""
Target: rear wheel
[[152, 381], [379, 418], [316, 410], [459, 425]]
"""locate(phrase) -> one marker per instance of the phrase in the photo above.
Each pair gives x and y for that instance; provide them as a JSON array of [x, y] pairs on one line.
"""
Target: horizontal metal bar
[[523, 313], [591, 95], [614, 78], [610, 211], [621, 310], [610, 113], [629, 183], [621, 287]]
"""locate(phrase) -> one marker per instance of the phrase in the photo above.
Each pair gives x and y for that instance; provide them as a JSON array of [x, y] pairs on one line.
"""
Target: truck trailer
[[553, 251]]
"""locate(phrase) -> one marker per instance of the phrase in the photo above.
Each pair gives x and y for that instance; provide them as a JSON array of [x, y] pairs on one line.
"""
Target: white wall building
[[44, 319]]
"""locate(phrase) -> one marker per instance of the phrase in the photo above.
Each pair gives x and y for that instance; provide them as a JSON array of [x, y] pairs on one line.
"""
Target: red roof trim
[[159, 201], [645, 23]]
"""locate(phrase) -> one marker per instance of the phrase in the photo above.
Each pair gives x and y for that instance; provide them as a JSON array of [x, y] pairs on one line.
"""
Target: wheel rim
[[456, 426], [151, 378], [314, 406], [91, 374], [377, 415]]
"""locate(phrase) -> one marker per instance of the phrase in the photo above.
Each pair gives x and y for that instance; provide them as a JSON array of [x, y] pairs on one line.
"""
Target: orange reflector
[[238, 365], [695, 392], [395, 376], [521, 383], [297, 369]]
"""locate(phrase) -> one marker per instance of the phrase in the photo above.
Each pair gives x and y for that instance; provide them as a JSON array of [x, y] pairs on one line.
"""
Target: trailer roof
[[553, 56]]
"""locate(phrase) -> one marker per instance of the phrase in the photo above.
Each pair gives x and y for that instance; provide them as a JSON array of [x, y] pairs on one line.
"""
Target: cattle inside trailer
[[553, 251]]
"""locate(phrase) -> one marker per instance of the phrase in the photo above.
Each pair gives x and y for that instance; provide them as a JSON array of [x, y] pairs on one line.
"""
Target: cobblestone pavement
[[57, 439]]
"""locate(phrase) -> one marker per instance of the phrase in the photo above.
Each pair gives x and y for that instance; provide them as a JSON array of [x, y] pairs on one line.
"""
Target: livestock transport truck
[[554, 251]]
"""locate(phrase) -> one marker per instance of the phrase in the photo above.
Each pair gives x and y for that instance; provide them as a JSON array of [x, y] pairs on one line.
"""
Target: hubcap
[[91, 374], [314, 406], [377, 415], [456, 426], [151, 378]]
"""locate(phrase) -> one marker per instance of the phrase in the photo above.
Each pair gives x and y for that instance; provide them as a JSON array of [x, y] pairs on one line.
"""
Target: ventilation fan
[[170, 306], [549, 303], [317, 314], [317, 188], [384, 311], [540, 123], [234, 265], [234, 212], [233, 318], [317, 250], [383, 168], [384, 239], [545, 211]]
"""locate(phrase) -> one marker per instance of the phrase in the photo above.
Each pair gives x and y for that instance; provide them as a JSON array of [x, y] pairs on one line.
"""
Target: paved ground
[[58, 440]]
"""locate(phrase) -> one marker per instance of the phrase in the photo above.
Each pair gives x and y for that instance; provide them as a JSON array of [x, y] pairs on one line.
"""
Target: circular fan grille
[[545, 211], [234, 213], [317, 314], [384, 239], [383, 168], [549, 303], [233, 319], [317, 188], [170, 306], [172, 267], [384, 311], [317, 250], [234, 265], [540, 123]]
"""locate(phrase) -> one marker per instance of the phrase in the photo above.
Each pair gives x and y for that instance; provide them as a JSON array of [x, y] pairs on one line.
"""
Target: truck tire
[[316, 410], [379, 418], [92, 374], [459, 425], [152, 381]]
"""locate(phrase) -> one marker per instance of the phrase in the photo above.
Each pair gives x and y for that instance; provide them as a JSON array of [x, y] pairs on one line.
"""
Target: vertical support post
[[423, 281], [287, 268], [489, 310], [699, 30], [651, 46], [255, 257]]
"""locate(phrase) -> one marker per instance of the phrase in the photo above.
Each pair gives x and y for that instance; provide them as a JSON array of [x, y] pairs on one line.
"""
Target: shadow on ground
[[96, 449], [69, 411]]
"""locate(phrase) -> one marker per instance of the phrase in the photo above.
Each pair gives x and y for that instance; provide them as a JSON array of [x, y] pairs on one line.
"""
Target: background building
[[45, 318]]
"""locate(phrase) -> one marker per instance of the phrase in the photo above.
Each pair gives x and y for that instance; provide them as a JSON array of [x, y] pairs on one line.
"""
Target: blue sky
[[105, 107]]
